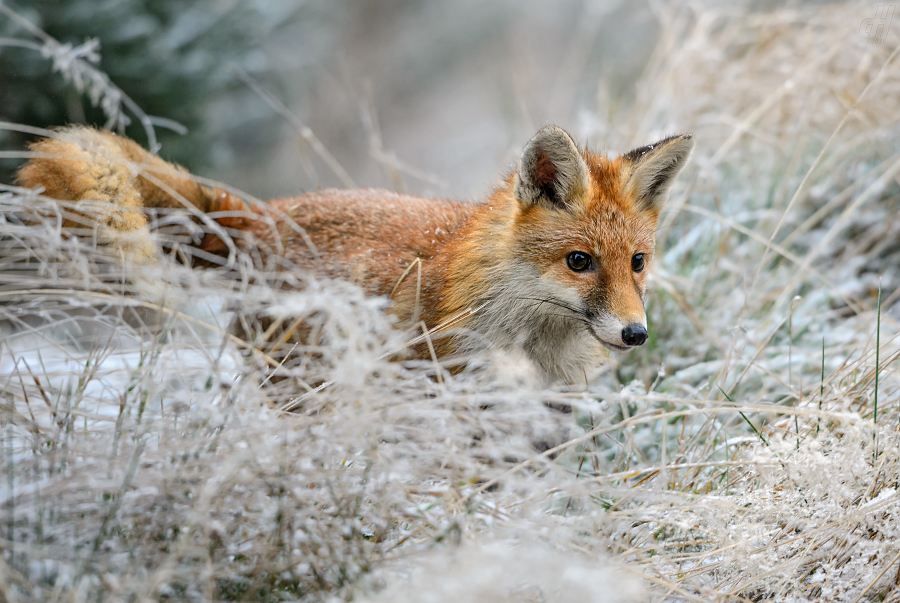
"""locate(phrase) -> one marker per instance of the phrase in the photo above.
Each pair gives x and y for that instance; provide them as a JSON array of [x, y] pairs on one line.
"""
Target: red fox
[[553, 264]]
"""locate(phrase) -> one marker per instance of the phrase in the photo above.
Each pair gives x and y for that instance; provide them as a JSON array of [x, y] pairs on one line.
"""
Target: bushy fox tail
[[112, 181]]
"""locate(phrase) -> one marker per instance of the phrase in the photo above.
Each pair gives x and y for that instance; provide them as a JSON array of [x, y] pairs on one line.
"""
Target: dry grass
[[740, 455]]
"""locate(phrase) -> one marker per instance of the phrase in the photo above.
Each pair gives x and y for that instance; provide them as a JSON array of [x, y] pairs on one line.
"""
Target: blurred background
[[428, 97]]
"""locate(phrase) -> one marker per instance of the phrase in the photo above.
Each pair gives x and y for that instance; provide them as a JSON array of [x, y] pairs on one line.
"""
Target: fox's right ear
[[651, 169], [551, 171]]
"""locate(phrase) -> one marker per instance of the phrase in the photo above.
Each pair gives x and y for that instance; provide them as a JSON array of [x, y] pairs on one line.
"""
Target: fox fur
[[501, 273]]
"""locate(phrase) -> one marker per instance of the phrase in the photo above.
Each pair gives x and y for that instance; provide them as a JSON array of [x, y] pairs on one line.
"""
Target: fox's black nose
[[634, 334]]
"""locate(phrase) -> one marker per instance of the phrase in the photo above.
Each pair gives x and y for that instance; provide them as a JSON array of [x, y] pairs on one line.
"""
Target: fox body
[[553, 263]]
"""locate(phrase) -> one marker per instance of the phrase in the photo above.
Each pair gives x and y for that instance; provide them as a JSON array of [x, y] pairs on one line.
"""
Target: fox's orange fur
[[507, 269]]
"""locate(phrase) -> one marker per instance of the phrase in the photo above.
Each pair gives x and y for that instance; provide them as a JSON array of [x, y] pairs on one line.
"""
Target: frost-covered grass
[[749, 451]]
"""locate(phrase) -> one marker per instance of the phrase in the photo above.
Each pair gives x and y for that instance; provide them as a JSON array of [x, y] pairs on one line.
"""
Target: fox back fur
[[553, 263]]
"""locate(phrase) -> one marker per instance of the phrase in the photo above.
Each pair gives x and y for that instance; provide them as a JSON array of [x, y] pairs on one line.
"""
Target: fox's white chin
[[616, 348], [609, 346]]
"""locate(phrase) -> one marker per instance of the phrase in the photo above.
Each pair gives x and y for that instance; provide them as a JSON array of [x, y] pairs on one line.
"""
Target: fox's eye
[[637, 262], [579, 261]]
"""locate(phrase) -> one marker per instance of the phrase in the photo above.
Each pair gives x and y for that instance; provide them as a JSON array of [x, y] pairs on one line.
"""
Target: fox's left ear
[[654, 168], [552, 171]]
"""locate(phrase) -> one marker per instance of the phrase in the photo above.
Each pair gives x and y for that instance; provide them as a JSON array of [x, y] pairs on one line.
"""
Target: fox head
[[580, 235]]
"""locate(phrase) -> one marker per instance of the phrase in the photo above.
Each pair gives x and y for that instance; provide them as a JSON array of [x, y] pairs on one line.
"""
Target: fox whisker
[[576, 314], [556, 302]]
